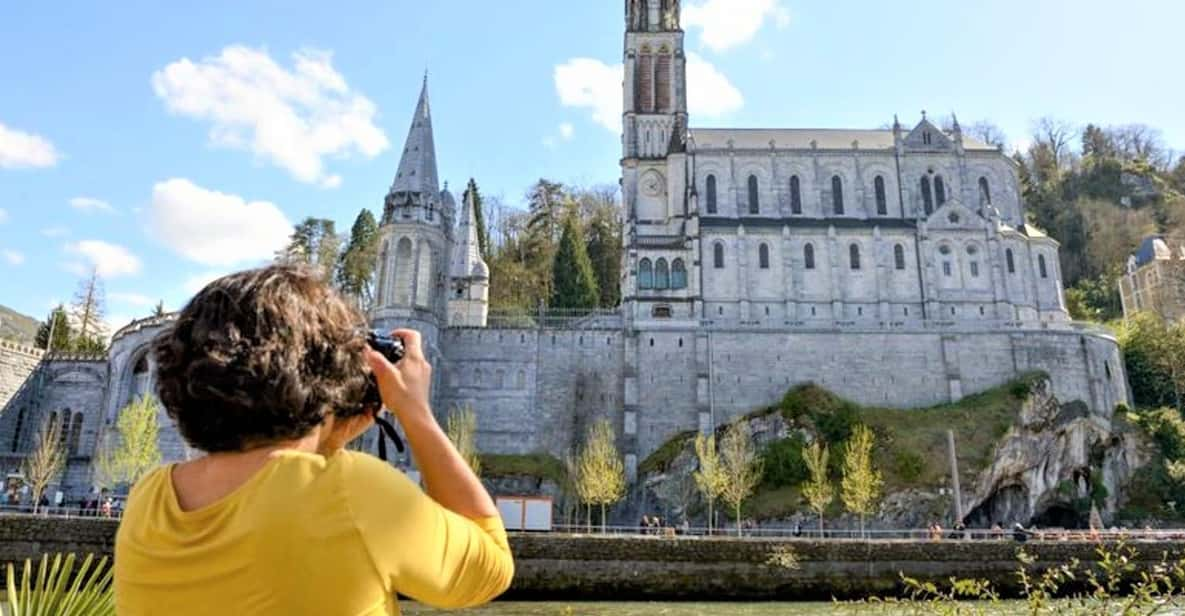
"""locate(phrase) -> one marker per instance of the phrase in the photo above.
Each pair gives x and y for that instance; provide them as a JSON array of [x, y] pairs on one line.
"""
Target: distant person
[[1019, 534], [267, 372]]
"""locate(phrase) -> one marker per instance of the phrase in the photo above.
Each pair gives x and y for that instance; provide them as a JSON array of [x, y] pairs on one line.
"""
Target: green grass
[[539, 465]]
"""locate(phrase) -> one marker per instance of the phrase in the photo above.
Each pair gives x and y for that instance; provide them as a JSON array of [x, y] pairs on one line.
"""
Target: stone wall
[[596, 568], [17, 362]]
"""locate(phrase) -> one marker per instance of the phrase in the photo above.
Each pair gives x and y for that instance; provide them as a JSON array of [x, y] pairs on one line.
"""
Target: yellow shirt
[[305, 535]]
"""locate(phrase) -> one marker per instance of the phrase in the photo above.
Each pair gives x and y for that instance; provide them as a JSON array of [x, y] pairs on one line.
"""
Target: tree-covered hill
[[16, 326]]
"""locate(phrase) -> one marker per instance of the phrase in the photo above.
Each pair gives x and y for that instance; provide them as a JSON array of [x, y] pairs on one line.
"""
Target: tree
[[574, 286], [478, 217], [461, 428], [159, 309], [547, 204], [602, 473], [87, 312], [138, 451], [315, 242], [355, 269], [47, 461], [599, 209], [58, 323], [1056, 135], [740, 465], [818, 490], [861, 483], [989, 133], [104, 472], [710, 477]]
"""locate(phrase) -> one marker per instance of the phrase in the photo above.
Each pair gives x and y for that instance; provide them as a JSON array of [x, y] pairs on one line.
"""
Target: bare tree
[[87, 312], [47, 461], [989, 133], [1056, 135]]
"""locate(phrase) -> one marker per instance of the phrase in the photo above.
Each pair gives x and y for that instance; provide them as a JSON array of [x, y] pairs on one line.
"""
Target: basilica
[[894, 267]]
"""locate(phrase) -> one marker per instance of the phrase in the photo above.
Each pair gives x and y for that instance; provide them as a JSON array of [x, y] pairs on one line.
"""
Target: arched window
[[808, 257], [1041, 266], [754, 205], [718, 256], [662, 83], [837, 195], [645, 274], [424, 276], [945, 251], [75, 434], [64, 429], [645, 89], [140, 378], [20, 423], [678, 274], [939, 190], [899, 256], [403, 272], [882, 201], [927, 196], [477, 377], [974, 264], [520, 379], [763, 256], [662, 275], [384, 285], [795, 195], [985, 192], [1011, 262], [854, 256], [499, 378], [711, 196]]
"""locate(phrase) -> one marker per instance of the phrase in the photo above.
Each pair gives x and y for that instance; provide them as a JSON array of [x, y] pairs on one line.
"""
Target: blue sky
[[167, 145]]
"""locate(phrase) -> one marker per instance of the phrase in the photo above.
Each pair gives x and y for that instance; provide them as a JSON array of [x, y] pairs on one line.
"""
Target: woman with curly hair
[[265, 371]]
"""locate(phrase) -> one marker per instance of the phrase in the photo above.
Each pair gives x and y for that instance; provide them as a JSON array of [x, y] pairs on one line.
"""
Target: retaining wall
[[599, 568]]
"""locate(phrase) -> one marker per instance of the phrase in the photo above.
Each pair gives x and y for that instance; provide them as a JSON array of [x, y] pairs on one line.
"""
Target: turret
[[469, 276]]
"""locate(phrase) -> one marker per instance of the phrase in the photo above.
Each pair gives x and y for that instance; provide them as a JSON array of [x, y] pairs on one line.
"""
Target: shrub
[[783, 464], [908, 465]]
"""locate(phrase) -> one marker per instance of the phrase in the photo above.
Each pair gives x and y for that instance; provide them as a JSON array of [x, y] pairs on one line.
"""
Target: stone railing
[[910, 325], [8, 346]]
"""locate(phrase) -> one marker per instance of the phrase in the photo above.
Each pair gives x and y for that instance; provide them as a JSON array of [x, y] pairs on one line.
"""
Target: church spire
[[416, 178], [466, 257]]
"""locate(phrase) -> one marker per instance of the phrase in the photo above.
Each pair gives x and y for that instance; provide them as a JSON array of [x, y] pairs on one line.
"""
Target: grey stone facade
[[892, 267]]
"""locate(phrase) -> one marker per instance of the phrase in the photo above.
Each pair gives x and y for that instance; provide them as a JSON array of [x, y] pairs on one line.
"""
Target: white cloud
[[292, 118], [13, 257], [592, 84], [18, 149], [133, 299], [567, 131], [214, 228], [197, 282], [3, 215], [709, 92], [585, 82], [55, 232], [726, 24], [90, 204], [110, 260]]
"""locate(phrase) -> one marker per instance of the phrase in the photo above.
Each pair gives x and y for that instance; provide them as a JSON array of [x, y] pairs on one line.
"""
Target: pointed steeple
[[466, 257], [417, 167]]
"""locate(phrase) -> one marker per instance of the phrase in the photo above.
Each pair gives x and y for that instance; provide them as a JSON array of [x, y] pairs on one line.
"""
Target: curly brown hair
[[259, 357]]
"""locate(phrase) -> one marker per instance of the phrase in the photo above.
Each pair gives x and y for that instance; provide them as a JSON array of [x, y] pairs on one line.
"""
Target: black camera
[[392, 348]]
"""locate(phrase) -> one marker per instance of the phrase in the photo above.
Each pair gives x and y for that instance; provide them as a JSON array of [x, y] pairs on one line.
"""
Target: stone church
[[893, 267]]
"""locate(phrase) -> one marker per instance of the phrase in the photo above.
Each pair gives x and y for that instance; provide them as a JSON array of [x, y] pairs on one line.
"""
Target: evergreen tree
[[547, 201], [87, 312], [159, 309], [599, 209], [59, 323], [355, 270], [478, 216], [574, 285], [315, 242]]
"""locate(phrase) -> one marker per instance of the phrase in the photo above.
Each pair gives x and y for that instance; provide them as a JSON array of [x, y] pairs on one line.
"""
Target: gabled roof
[[955, 216], [417, 166]]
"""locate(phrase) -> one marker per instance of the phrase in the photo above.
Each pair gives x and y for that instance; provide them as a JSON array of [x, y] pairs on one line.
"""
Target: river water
[[697, 609]]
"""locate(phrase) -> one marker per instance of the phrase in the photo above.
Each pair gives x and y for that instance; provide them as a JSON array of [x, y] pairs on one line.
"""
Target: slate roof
[[800, 138], [417, 166]]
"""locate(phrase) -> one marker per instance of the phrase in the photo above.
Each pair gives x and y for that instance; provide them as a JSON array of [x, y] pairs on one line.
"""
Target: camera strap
[[387, 431]]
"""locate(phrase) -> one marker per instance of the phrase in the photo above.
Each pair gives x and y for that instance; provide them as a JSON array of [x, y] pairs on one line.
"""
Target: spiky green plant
[[59, 589]]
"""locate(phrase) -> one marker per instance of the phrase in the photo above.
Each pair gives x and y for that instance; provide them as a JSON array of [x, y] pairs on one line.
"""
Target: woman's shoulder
[[369, 477]]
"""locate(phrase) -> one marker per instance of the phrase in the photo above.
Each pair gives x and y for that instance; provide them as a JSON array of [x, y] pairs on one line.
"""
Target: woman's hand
[[404, 386]]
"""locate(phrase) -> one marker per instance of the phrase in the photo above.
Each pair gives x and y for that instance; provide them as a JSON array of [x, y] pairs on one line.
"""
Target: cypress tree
[[574, 286], [478, 216], [59, 322], [355, 268]]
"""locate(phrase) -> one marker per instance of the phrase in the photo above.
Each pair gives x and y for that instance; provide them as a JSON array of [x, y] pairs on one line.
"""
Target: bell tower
[[415, 236], [660, 279]]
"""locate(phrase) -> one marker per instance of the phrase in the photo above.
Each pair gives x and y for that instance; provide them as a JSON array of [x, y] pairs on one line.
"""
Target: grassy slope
[[911, 448], [16, 326], [531, 465]]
